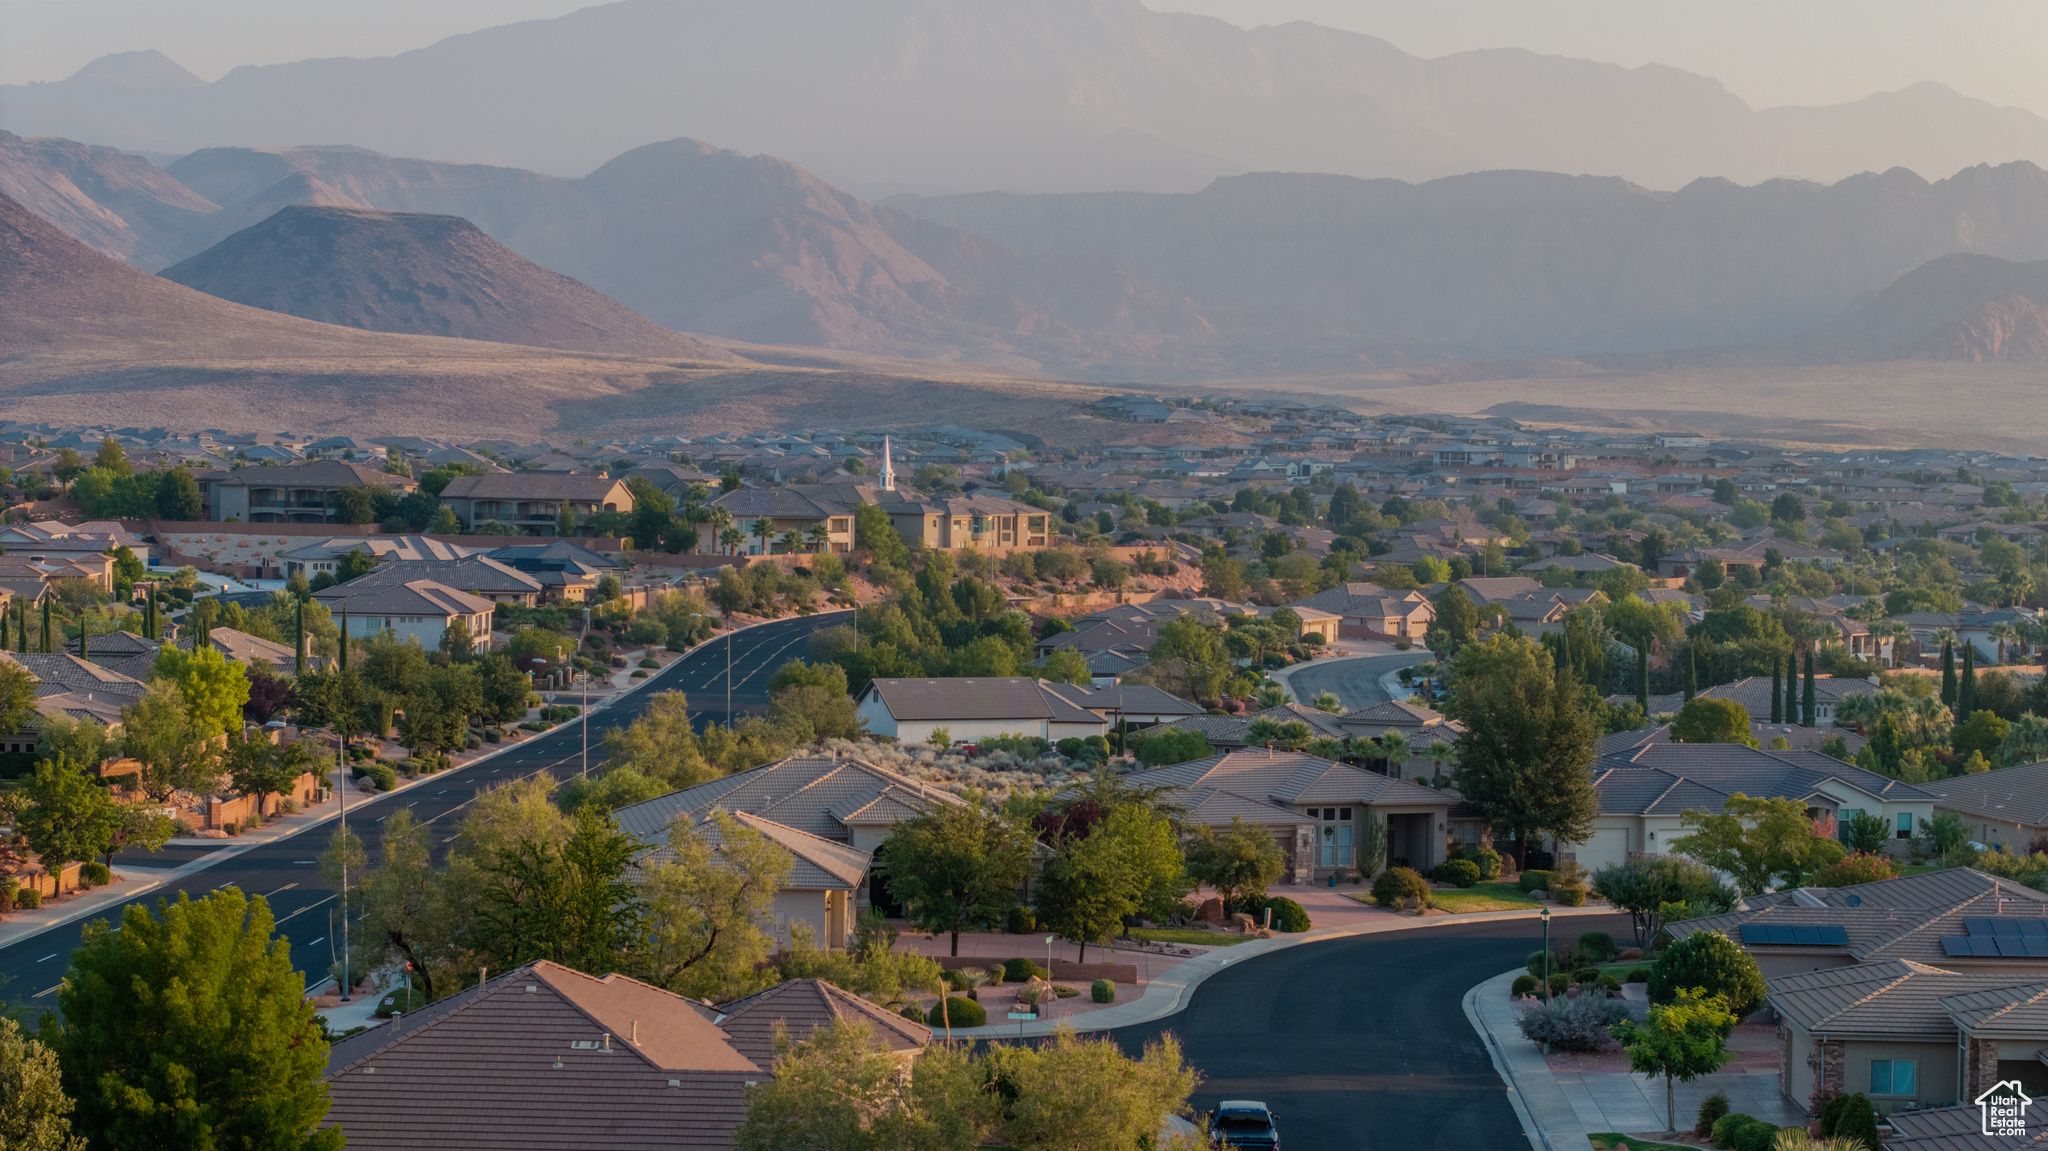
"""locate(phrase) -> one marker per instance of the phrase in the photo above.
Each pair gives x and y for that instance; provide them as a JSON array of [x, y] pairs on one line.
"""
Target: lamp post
[[584, 715], [1546, 955]]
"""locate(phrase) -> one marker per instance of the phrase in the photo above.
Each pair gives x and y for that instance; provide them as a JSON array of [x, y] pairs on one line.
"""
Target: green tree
[[874, 534], [705, 907], [34, 1111], [661, 743], [1073, 1092], [1704, 720], [842, 1090], [1757, 840], [1712, 962], [1645, 886], [213, 688], [70, 817], [257, 767], [1222, 578], [189, 1028], [158, 731], [1456, 616], [956, 866], [403, 902], [1065, 665], [1162, 746], [1241, 860], [1682, 1040], [1525, 755], [17, 697], [570, 904], [178, 498]]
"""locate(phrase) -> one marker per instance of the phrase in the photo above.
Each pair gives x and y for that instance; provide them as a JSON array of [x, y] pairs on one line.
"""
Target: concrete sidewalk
[[1168, 992], [1558, 1110]]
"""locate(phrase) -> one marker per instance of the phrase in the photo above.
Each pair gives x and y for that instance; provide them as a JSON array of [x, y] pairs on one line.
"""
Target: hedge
[[94, 874], [962, 1013], [1457, 872], [1534, 880], [1020, 970], [1103, 991], [1523, 985], [1398, 883]]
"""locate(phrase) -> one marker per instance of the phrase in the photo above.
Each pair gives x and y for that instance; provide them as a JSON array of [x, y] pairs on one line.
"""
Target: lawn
[[1610, 1141], [1494, 896], [1184, 935]]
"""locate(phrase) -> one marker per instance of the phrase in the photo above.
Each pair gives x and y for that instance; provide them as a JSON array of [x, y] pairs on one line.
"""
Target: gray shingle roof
[[2018, 793], [809, 793], [1892, 998], [802, 1006], [1006, 697]]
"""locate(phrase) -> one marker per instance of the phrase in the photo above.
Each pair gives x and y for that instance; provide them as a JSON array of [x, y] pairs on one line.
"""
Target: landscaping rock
[[1243, 922], [1211, 911]]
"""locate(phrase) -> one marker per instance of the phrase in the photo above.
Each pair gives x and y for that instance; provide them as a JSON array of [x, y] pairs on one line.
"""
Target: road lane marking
[[45, 991], [286, 887], [305, 861], [311, 942], [305, 909], [47, 958]]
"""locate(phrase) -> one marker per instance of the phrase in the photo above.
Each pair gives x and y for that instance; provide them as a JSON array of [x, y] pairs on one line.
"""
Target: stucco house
[[1315, 808], [418, 609], [1367, 610], [910, 710], [293, 493], [532, 502], [2004, 808]]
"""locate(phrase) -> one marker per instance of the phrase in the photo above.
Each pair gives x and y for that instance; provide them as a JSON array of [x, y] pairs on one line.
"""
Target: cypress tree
[[1806, 709], [1692, 672], [84, 629], [1777, 700], [1966, 690], [46, 625], [1792, 686], [343, 665], [299, 644], [1948, 673]]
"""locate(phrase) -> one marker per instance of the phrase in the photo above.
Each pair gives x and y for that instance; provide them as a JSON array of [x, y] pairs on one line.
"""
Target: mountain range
[[1256, 275], [948, 96]]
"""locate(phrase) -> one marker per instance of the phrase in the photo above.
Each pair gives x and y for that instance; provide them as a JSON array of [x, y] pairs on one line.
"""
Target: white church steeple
[[888, 468]]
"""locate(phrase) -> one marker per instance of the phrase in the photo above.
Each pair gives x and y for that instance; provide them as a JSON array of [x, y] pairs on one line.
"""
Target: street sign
[[1023, 1014], [580, 678]]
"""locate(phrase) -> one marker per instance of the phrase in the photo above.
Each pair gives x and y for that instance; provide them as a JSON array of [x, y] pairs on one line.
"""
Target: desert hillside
[[422, 275]]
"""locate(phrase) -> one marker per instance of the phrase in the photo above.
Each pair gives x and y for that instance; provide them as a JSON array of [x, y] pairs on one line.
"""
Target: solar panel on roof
[[1784, 934], [1833, 935], [1957, 945]]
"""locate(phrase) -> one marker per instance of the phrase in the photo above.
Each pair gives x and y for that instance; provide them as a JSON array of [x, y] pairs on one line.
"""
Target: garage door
[[1608, 845]]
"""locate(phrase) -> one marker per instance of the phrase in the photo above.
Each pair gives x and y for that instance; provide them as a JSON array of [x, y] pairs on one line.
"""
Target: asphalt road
[[1361, 1043], [285, 872], [1356, 682]]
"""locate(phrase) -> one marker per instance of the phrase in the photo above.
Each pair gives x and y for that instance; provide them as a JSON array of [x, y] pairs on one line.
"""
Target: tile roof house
[[531, 502], [292, 493], [1313, 807], [829, 811], [1754, 694], [476, 575], [1132, 708], [1644, 791], [2005, 808], [417, 609], [911, 710], [1958, 1128], [1367, 610], [314, 556], [546, 1057], [790, 509], [977, 521]]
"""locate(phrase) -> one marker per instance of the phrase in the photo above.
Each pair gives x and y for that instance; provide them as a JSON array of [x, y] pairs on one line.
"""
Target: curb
[[222, 856], [1170, 993], [1531, 1086]]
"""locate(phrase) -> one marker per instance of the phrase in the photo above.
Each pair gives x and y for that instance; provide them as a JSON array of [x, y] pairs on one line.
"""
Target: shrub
[[1534, 881], [1597, 946], [1586, 975], [181, 826], [1020, 921], [965, 1013], [1638, 975], [1103, 991], [1065, 992], [1711, 1109], [1523, 985], [1573, 1024], [1709, 960], [1559, 983], [956, 980], [638, 675], [1021, 970], [1457, 872], [1398, 883], [1858, 867], [94, 874], [231, 829], [28, 899], [1568, 885], [912, 1012], [1489, 863], [1628, 953], [382, 774], [7, 891], [1288, 915], [1610, 984], [1854, 1118], [1740, 1132]]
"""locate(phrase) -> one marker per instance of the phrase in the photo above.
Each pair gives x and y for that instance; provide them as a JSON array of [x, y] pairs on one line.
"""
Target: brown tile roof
[[808, 793], [416, 596], [1004, 697], [524, 1063], [802, 1006], [313, 474], [62, 672], [1957, 1128], [538, 486], [1894, 998], [1273, 780]]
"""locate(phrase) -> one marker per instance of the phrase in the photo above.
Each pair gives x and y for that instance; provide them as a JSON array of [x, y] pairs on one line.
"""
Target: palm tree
[[1942, 636], [763, 528], [2017, 583], [1928, 720], [791, 542], [720, 520], [2027, 742], [1442, 753], [1327, 701], [732, 538], [821, 536], [2004, 633], [1397, 750]]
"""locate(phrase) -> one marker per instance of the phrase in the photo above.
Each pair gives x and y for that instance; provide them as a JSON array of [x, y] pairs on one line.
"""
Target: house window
[[1333, 836], [1893, 1076], [1905, 825]]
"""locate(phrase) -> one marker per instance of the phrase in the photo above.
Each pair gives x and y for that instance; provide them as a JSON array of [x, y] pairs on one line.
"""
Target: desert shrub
[[1709, 960], [965, 1013], [1103, 991], [1853, 1118], [94, 874], [1534, 881], [1559, 983], [1489, 863], [1857, 867], [1597, 946], [382, 774], [1020, 970], [1711, 1109], [231, 829], [1638, 975], [1610, 984], [27, 899], [1586, 975], [1568, 885], [1573, 1024], [912, 1012], [1523, 985], [1457, 872], [1288, 915], [1064, 992], [1398, 883]]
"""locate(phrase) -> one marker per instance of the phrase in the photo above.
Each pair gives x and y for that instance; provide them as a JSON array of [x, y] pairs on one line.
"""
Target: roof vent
[[675, 1083], [532, 989], [1853, 900]]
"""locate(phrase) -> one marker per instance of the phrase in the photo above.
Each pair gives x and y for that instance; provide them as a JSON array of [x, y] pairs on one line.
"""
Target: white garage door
[[1608, 845]]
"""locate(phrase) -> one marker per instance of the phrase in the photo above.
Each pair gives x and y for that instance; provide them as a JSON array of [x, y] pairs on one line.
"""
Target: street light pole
[[341, 785]]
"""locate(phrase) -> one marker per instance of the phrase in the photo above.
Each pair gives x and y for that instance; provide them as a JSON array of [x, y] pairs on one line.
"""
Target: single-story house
[[1128, 708], [324, 555], [2005, 808], [1314, 808], [1367, 610], [911, 710]]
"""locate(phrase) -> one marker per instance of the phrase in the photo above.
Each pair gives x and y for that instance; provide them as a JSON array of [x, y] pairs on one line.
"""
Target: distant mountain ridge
[[419, 274], [949, 96]]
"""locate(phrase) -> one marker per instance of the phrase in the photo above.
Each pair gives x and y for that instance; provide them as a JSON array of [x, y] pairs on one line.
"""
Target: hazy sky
[[1766, 51]]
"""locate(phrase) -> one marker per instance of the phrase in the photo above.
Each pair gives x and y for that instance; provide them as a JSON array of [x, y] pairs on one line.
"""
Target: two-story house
[[292, 494], [531, 503]]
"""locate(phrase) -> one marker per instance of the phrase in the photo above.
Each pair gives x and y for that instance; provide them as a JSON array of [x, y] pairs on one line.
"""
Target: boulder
[[1243, 922], [1211, 911]]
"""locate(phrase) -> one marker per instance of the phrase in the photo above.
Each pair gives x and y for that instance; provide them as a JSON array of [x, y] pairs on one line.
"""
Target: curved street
[[1355, 681], [285, 871], [1363, 1042]]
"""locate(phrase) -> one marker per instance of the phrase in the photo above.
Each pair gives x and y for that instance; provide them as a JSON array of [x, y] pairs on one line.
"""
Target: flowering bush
[[1858, 867], [1576, 1024]]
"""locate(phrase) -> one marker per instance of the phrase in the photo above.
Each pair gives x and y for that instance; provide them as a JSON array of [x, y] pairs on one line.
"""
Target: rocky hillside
[[420, 274]]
